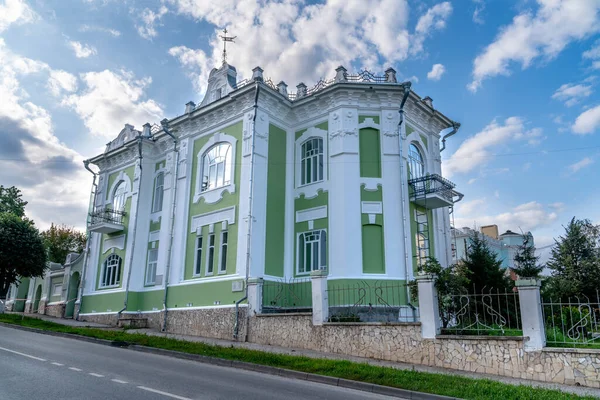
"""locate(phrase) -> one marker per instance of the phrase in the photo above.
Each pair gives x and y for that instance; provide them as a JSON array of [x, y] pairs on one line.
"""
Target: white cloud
[[544, 33], [112, 99], [587, 122], [573, 168], [479, 7], [150, 19], [572, 93], [95, 28], [472, 181], [526, 217], [302, 43], [195, 62], [82, 50], [413, 79], [477, 149], [15, 12], [60, 81], [436, 72]]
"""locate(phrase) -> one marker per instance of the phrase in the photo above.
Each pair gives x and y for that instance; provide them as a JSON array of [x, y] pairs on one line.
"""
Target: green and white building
[[257, 182]]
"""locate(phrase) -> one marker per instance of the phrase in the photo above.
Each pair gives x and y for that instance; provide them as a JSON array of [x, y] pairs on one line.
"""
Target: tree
[[61, 240], [575, 261], [526, 262], [22, 252], [484, 268], [11, 202]]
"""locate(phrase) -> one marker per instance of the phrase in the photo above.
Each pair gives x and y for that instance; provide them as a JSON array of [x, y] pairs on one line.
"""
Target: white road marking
[[118, 381], [174, 396], [57, 364], [75, 369], [96, 375], [22, 354]]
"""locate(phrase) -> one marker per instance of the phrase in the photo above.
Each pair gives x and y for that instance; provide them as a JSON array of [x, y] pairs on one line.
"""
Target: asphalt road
[[35, 366]]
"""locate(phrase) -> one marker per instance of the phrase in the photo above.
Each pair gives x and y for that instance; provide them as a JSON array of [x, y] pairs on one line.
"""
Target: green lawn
[[448, 385]]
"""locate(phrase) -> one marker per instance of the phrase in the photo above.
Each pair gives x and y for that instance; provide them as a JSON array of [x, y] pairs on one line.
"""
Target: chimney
[[257, 74], [189, 107], [390, 75], [301, 90], [146, 130], [340, 74], [282, 88], [429, 101]]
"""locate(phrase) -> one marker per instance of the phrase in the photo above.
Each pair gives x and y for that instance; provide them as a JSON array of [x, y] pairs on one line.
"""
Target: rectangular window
[[422, 237], [151, 267], [211, 255], [312, 251], [57, 290], [197, 267], [223, 263], [159, 183], [311, 163]]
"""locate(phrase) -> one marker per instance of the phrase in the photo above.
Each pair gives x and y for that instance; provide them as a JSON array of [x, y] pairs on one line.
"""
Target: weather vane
[[225, 40]]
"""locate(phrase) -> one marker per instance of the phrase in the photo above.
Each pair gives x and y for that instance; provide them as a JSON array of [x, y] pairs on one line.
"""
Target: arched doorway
[[72, 295], [37, 298]]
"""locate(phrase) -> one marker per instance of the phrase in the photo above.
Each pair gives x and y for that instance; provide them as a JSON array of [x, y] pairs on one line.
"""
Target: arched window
[[415, 159], [159, 183], [312, 161], [111, 271], [118, 202], [216, 167]]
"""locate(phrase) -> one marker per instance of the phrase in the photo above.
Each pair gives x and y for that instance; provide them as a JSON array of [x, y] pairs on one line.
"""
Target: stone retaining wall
[[55, 310], [402, 342]]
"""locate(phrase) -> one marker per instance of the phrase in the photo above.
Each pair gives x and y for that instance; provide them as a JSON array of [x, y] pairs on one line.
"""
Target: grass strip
[[442, 384]]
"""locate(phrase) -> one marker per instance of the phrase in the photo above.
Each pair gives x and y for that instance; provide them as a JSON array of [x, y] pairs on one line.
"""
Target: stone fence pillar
[[428, 307], [255, 287], [532, 319], [320, 302]]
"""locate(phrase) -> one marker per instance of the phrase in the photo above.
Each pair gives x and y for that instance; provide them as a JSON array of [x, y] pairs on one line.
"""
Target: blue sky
[[522, 78]]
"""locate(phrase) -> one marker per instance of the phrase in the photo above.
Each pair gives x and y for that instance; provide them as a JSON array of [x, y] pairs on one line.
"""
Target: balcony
[[106, 220], [433, 191]]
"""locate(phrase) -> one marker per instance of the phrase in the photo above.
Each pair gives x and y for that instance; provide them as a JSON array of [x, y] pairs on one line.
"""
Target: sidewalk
[[582, 391]]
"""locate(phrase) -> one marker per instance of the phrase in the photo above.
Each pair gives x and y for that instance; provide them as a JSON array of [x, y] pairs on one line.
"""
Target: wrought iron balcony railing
[[433, 184], [106, 215]]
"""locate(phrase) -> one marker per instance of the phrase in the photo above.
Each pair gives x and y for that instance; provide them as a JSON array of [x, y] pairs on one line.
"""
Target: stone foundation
[[28, 308], [55, 310], [41, 307], [402, 342], [106, 319]]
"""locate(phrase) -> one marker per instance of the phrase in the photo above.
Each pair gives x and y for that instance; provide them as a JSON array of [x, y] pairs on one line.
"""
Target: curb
[[221, 362]]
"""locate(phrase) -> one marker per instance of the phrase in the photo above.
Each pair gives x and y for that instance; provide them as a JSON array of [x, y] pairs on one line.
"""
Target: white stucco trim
[[226, 214], [122, 177], [372, 207], [311, 214], [208, 279], [214, 195], [117, 242], [369, 122], [154, 236], [310, 190]]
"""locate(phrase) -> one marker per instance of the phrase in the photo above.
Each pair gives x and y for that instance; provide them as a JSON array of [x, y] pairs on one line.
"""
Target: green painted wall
[[409, 129], [159, 165], [362, 118], [371, 195], [424, 139], [155, 226], [275, 235], [57, 280], [145, 301], [297, 294], [228, 200], [22, 290], [370, 153], [109, 302], [373, 249], [205, 294], [349, 292]]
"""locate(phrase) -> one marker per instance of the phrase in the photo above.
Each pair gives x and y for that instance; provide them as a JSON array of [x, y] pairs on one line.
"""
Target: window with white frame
[[111, 271], [216, 166], [57, 289], [118, 203], [159, 183], [198, 266], [422, 237], [210, 261], [312, 251], [416, 164], [311, 164], [223, 255], [151, 267]]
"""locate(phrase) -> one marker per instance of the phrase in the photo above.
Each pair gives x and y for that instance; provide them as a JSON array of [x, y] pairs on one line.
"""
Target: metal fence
[[286, 296], [370, 301], [574, 322], [107, 214], [482, 312]]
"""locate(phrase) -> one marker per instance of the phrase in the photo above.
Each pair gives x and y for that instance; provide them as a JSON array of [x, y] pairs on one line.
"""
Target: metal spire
[[226, 39]]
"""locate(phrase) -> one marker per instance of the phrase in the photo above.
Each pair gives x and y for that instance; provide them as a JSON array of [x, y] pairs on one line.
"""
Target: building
[[505, 246], [257, 183]]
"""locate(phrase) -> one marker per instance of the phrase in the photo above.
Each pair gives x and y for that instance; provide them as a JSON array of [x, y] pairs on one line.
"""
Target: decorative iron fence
[[488, 312], [370, 301], [106, 215], [286, 296], [574, 322]]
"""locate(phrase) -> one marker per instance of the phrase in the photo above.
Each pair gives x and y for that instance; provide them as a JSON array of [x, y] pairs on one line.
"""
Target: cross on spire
[[226, 39]]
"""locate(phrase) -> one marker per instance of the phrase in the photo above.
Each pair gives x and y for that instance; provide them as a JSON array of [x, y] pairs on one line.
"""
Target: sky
[[522, 78]]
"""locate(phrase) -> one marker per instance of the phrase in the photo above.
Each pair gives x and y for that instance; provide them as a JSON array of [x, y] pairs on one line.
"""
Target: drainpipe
[[88, 243], [406, 87], [236, 327], [455, 127], [135, 224], [165, 126]]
